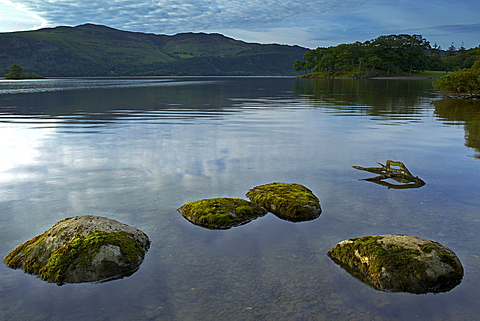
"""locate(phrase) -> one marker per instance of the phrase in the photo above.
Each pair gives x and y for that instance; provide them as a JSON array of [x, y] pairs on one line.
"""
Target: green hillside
[[94, 50]]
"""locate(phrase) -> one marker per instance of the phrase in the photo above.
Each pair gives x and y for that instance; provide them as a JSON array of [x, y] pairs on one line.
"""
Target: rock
[[82, 249], [400, 263], [221, 213], [291, 202]]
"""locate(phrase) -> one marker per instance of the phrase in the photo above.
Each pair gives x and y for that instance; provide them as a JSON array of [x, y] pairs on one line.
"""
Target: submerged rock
[[221, 213], [400, 263], [82, 249], [288, 201]]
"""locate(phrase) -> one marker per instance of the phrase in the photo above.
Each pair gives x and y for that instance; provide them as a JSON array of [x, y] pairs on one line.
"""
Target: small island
[[16, 73]]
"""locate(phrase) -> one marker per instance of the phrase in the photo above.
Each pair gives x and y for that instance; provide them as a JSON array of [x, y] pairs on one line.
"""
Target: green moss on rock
[[400, 263], [28, 255], [221, 212], [288, 201], [82, 249]]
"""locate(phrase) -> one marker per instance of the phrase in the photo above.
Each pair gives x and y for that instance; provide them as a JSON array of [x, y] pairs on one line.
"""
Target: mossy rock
[[82, 249], [221, 213], [400, 263], [291, 202]]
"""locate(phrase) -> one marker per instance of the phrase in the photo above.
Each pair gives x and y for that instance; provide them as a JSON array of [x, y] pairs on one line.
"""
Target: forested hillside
[[94, 50], [384, 55]]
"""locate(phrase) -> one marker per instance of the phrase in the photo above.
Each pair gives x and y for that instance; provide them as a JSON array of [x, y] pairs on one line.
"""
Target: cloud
[[281, 35], [309, 23], [441, 21], [176, 15], [15, 17], [460, 28]]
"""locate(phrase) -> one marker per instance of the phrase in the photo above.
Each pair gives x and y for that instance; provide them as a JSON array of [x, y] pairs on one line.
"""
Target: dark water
[[136, 149]]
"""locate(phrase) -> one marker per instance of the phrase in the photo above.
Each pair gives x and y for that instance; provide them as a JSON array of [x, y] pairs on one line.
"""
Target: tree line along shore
[[458, 69]]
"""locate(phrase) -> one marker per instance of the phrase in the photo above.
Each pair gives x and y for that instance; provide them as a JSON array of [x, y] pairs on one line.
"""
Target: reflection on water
[[55, 85], [389, 99], [399, 173], [137, 152], [462, 112]]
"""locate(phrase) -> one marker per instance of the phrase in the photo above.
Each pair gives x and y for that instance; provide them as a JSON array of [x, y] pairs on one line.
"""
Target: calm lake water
[[136, 149]]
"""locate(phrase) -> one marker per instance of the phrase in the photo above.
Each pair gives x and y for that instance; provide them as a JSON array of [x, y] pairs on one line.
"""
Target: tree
[[476, 64], [299, 65], [386, 49], [460, 59], [313, 57], [400, 52], [463, 81], [414, 52], [435, 62], [374, 61], [451, 50], [326, 61], [392, 53], [16, 72]]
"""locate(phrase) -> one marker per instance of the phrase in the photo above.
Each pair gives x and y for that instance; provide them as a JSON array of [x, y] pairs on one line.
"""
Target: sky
[[307, 23]]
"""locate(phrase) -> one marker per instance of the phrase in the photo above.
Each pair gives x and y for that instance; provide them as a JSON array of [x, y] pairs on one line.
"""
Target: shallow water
[[136, 149]]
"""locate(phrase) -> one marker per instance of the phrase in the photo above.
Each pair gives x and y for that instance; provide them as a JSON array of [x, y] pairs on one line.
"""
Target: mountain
[[96, 50]]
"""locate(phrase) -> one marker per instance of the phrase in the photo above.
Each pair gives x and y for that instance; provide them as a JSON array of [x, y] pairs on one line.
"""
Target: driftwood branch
[[400, 174]]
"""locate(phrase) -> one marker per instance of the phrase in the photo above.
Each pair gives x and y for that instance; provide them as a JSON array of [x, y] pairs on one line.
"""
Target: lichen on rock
[[221, 212], [82, 249], [288, 201], [400, 263]]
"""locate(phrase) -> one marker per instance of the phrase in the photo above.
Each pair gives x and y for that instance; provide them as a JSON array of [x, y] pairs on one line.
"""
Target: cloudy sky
[[308, 23]]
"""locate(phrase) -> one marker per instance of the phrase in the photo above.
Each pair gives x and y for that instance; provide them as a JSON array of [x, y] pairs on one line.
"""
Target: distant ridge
[[97, 50]]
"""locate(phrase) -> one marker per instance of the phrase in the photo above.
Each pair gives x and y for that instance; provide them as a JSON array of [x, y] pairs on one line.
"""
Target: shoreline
[[400, 78]]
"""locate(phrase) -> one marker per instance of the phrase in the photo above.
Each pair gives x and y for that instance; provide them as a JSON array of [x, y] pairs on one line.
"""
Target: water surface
[[136, 149]]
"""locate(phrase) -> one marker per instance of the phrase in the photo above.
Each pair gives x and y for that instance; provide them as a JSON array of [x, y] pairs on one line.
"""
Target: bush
[[464, 81]]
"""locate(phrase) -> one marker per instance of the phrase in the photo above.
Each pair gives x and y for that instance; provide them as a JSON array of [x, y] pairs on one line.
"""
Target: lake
[[136, 149]]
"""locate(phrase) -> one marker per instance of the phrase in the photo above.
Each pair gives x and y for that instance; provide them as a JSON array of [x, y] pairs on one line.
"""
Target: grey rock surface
[[400, 263], [82, 249]]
